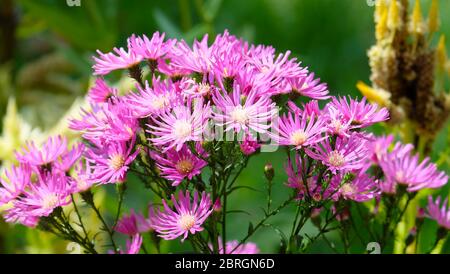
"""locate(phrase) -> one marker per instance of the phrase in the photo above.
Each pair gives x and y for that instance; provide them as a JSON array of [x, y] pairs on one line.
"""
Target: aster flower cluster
[[187, 130]]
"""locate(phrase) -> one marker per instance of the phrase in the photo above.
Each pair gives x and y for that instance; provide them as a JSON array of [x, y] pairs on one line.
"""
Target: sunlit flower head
[[185, 217], [172, 129], [309, 86], [178, 165], [439, 212], [360, 113], [14, 182], [401, 167], [299, 131], [244, 113], [110, 163], [118, 59], [346, 154]]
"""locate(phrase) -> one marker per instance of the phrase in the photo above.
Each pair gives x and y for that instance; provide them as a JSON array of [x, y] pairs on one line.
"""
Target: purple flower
[[438, 213], [299, 131], [178, 165], [401, 167], [132, 224], [249, 144], [14, 183], [101, 92], [360, 189], [119, 59], [153, 49], [133, 246], [309, 87], [110, 162], [233, 247], [41, 198], [49, 152], [241, 113], [174, 128], [185, 217], [346, 154], [360, 113], [152, 101]]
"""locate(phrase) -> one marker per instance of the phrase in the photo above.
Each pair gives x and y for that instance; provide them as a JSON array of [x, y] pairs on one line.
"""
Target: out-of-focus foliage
[[48, 72]]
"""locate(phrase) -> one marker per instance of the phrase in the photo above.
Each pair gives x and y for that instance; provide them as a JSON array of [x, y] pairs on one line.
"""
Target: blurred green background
[[45, 63]]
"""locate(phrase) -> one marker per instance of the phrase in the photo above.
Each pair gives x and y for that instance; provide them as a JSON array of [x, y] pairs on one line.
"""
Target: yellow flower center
[[182, 129], [160, 103], [203, 88], [298, 138], [186, 221], [347, 189], [50, 201], [239, 115], [184, 166], [116, 162], [336, 159]]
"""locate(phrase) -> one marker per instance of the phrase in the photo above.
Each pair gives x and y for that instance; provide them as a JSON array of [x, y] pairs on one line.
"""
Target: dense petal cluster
[[185, 217]]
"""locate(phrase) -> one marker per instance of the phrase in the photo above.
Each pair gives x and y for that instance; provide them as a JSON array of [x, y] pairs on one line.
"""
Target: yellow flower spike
[[379, 96], [417, 24], [433, 17], [380, 9], [393, 21], [381, 27], [441, 53]]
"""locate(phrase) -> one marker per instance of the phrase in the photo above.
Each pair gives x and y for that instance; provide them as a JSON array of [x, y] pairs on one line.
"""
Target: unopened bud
[[217, 207], [269, 172]]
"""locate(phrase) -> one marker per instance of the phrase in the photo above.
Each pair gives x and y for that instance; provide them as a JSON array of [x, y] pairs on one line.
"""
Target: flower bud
[[269, 172]]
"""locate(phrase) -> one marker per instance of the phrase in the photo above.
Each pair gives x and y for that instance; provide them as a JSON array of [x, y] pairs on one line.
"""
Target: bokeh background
[[45, 64]]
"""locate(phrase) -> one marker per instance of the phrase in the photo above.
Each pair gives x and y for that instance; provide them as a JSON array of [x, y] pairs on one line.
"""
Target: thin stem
[[105, 226], [79, 217], [275, 211]]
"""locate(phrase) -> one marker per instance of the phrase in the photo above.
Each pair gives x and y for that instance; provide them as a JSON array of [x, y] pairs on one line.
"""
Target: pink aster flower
[[101, 92], [251, 113], [233, 247], [360, 113], [310, 187], [152, 101], [178, 165], [50, 192], [152, 49], [337, 123], [110, 162], [133, 246], [81, 177], [14, 183], [119, 59], [309, 109], [439, 213], [185, 217], [299, 131], [360, 189], [107, 123], [403, 168], [198, 59], [309, 87], [49, 152], [132, 224], [174, 128], [18, 214], [347, 154], [192, 89], [249, 144], [66, 161]]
